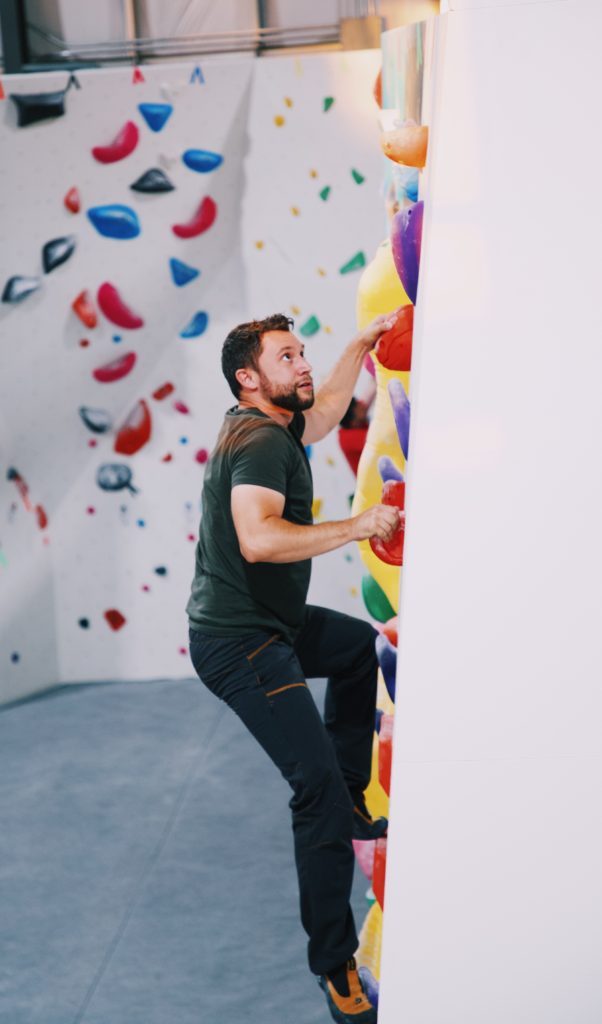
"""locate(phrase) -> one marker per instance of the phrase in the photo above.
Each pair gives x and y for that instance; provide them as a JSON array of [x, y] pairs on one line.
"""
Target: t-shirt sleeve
[[262, 459]]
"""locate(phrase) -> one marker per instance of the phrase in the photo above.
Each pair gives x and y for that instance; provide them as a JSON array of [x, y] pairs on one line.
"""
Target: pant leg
[[342, 648], [262, 681]]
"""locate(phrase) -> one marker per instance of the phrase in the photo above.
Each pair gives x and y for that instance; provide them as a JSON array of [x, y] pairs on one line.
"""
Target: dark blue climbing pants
[[262, 678]]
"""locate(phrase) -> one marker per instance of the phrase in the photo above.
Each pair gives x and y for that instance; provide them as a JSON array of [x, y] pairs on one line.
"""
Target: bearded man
[[254, 641]]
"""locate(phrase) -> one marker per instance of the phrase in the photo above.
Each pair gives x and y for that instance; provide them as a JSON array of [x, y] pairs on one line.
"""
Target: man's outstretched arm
[[335, 394], [264, 536]]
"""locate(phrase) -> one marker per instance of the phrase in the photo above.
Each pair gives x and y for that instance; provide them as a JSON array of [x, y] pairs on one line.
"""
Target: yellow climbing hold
[[295, 211], [259, 245], [278, 120], [288, 101]]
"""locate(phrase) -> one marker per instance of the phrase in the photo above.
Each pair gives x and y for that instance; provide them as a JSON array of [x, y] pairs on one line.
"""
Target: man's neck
[[282, 416]]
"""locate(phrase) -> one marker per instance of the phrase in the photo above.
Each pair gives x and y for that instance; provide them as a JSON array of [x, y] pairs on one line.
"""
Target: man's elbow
[[253, 551]]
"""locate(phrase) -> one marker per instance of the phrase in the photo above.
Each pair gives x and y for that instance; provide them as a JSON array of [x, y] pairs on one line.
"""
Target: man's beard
[[290, 400]]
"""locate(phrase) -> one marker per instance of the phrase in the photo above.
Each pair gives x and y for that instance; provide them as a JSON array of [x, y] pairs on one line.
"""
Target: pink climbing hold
[[115, 309], [116, 369], [122, 145], [200, 222]]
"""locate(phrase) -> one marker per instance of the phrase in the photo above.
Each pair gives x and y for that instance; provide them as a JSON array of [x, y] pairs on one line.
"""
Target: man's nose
[[305, 364]]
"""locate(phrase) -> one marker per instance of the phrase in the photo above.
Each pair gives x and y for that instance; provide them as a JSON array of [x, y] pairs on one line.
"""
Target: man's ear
[[247, 378]]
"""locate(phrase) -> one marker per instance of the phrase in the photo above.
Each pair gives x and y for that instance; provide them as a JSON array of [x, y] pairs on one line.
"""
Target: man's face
[[284, 373]]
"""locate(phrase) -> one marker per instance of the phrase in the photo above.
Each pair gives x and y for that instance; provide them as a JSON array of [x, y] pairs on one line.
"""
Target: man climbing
[[254, 640]]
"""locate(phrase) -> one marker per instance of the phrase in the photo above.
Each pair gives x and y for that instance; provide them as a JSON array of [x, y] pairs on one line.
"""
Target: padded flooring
[[146, 864]]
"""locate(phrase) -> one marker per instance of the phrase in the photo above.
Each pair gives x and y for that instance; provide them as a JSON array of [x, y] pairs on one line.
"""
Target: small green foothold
[[355, 263], [328, 101], [357, 177], [325, 193], [311, 326]]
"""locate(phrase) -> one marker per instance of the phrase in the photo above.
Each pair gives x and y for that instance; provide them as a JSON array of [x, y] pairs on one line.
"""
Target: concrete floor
[[146, 864]]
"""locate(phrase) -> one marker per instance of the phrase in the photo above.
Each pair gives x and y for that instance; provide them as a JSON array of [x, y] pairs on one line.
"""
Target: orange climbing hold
[[72, 200], [83, 307], [406, 145]]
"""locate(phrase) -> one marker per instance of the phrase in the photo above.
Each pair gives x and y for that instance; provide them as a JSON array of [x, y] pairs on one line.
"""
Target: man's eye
[[286, 356]]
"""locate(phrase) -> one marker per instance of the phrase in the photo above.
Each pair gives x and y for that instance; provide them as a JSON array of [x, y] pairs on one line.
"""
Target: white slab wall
[[493, 903], [101, 550]]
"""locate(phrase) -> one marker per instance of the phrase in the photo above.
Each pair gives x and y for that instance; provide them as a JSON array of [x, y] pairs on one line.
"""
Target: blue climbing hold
[[156, 115], [115, 221], [182, 273], [196, 326], [202, 160]]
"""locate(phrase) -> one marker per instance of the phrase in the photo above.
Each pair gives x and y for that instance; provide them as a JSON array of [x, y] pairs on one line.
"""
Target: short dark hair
[[243, 345]]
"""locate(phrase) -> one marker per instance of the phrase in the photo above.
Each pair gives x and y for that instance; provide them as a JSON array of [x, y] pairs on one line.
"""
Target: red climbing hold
[[202, 220], [83, 308], [116, 369], [122, 145], [137, 77], [394, 347], [391, 551], [136, 430], [114, 618], [72, 200], [41, 517], [385, 750], [389, 629], [379, 871], [163, 392], [115, 309]]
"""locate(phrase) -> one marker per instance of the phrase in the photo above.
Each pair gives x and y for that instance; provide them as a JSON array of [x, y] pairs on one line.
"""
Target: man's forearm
[[281, 541], [335, 394]]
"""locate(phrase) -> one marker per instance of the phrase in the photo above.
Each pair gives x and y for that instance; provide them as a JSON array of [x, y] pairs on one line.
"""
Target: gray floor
[[146, 864]]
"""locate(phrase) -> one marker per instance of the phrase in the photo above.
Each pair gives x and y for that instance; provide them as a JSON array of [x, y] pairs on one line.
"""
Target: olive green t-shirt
[[229, 595]]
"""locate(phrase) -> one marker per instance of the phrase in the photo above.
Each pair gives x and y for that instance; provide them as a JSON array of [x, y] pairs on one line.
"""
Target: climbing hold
[[387, 660], [376, 601], [388, 470], [325, 193], [137, 77], [18, 288], [122, 145], [385, 749], [156, 115], [355, 263], [115, 370], [401, 413], [391, 551], [202, 160], [197, 76], [97, 420], [406, 242], [182, 273], [196, 326], [377, 90], [136, 431], [201, 456], [83, 308], [370, 984], [160, 570], [41, 106], [357, 177], [328, 101], [41, 516], [311, 326], [183, 408], [57, 251], [115, 619], [201, 221], [153, 180], [72, 200], [115, 221], [162, 392], [114, 476], [406, 145], [115, 309], [394, 347]]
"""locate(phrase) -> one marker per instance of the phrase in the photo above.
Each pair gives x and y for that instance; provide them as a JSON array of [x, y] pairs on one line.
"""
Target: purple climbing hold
[[401, 413], [406, 240], [387, 659], [388, 470]]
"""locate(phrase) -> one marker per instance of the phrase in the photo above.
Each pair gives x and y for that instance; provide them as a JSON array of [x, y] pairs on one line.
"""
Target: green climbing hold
[[328, 101], [376, 601], [311, 326], [355, 263], [357, 177], [325, 193]]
